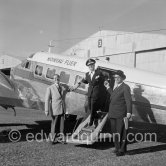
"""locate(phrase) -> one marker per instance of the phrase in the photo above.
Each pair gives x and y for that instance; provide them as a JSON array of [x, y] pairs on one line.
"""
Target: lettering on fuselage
[[66, 62]]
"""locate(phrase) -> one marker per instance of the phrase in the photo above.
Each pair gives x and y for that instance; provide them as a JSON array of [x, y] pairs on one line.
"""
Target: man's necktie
[[59, 89], [91, 75], [115, 88]]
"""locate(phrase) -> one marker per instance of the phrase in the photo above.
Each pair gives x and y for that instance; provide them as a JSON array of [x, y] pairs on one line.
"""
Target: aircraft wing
[[8, 95]]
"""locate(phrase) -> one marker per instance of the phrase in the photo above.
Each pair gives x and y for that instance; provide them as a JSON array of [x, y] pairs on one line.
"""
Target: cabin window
[[64, 78], [50, 73], [78, 79], [38, 70]]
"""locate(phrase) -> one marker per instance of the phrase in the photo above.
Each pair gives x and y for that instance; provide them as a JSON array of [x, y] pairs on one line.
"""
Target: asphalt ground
[[39, 151]]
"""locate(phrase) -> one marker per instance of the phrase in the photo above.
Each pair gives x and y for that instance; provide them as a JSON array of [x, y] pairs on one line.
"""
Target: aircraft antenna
[[50, 45]]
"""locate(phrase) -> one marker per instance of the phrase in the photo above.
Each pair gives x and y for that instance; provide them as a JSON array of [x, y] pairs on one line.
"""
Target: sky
[[27, 26]]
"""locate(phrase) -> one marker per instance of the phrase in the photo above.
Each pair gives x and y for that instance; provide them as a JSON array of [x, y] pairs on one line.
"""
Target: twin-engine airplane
[[29, 80]]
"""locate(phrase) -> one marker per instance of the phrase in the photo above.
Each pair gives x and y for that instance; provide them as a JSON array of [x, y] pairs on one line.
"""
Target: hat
[[120, 73], [90, 62]]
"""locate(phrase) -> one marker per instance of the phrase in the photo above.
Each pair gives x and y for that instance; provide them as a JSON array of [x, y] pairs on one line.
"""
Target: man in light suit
[[120, 107], [55, 106]]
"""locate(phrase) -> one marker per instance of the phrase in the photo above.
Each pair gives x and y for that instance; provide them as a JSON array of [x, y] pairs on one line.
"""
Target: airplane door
[[108, 75], [105, 96], [76, 100]]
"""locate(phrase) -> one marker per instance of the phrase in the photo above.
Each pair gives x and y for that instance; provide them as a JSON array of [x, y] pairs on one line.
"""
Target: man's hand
[[46, 113], [106, 84], [73, 88], [128, 115]]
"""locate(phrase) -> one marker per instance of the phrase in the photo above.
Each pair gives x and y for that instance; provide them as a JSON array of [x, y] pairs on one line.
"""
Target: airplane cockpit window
[[50, 73], [26, 64], [78, 79], [23, 64], [64, 78], [38, 70]]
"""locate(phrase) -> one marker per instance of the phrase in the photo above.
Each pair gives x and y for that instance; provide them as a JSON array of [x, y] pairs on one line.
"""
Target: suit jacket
[[95, 84], [120, 102], [54, 103]]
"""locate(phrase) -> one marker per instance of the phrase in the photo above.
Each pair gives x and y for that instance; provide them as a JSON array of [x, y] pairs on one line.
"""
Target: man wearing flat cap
[[120, 109], [95, 80]]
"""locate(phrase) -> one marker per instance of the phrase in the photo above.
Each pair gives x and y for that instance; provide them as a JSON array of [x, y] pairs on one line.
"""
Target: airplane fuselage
[[32, 77]]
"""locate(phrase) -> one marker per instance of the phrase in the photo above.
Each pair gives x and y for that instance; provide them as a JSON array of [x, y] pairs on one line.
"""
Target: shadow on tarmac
[[135, 128]]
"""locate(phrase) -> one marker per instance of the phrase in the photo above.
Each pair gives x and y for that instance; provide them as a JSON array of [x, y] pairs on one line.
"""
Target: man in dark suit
[[120, 107], [95, 80]]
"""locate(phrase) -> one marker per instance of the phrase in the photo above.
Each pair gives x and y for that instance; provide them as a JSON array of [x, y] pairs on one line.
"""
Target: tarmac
[[33, 148]]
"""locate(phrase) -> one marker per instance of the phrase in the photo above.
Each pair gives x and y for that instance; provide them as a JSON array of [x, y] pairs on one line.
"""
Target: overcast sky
[[27, 26]]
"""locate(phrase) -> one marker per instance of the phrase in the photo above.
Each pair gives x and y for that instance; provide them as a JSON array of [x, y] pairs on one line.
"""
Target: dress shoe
[[63, 142], [115, 151], [120, 154], [53, 142]]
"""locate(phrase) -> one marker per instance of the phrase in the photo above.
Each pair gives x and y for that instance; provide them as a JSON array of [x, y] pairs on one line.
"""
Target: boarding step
[[85, 134], [89, 129]]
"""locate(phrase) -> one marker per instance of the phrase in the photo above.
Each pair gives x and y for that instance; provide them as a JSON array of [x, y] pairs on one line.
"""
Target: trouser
[[93, 107], [57, 126], [119, 134]]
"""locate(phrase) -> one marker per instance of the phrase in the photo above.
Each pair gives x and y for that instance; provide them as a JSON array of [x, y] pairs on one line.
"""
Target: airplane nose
[[4, 81]]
